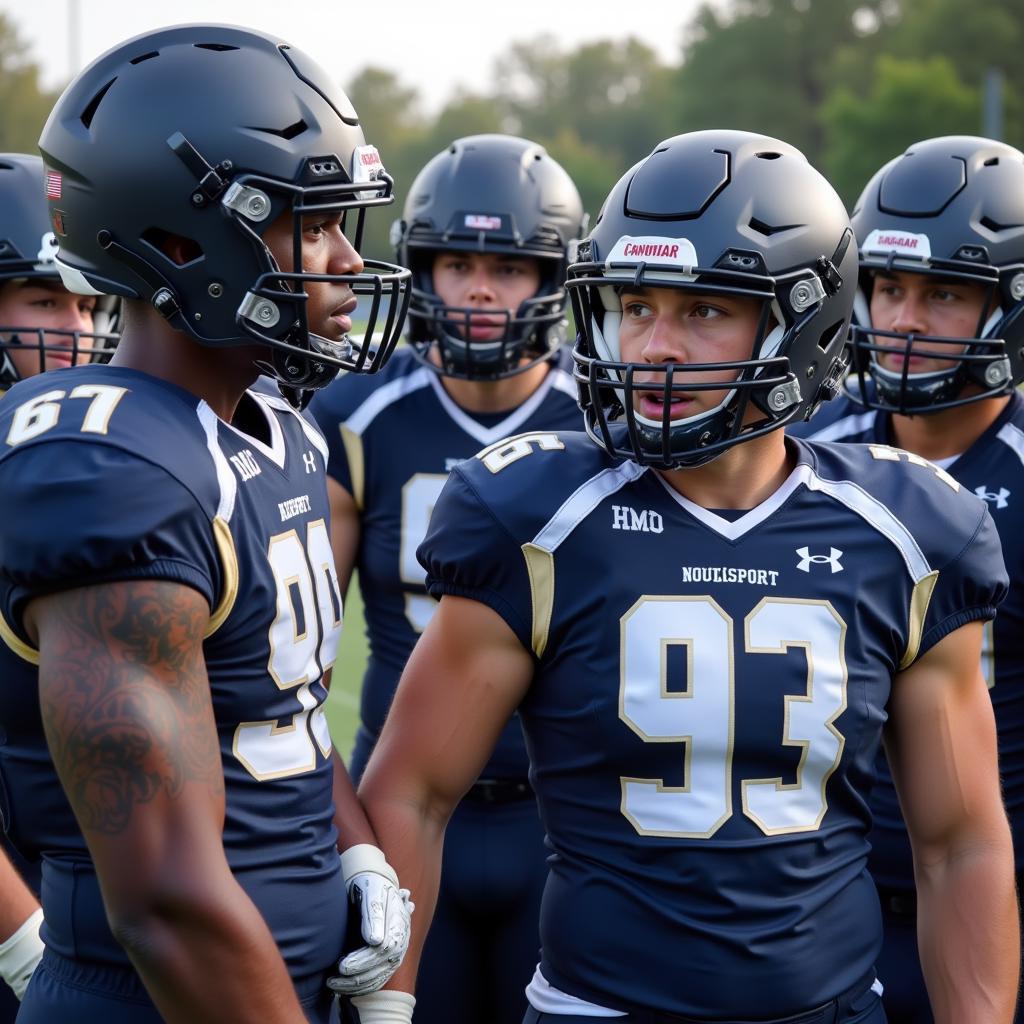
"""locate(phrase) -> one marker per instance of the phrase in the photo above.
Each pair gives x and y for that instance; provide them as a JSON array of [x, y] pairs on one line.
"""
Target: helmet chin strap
[[606, 336], [861, 310], [773, 340], [992, 322]]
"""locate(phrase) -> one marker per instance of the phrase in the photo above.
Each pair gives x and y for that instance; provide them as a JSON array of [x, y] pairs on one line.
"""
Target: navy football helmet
[[27, 249], [952, 208], [207, 134], [495, 194], [728, 213]]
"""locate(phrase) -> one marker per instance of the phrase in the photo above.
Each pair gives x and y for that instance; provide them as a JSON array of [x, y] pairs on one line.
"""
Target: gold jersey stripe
[[16, 644], [229, 565], [540, 565], [919, 601]]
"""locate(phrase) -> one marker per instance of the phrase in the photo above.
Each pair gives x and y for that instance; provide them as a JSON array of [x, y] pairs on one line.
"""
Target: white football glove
[[20, 954], [385, 913], [384, 1007]]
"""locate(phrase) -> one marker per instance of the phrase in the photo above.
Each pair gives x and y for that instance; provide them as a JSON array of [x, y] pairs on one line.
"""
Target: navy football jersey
[[393, 438], [708, 703], [993, 468], [115, 475]]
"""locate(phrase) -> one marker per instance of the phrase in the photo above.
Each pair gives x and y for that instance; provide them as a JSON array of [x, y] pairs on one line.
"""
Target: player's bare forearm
[[17, 901], [412, 839], [349, 816], [464, 679], [127, 710], [968, 933], [941, 745]]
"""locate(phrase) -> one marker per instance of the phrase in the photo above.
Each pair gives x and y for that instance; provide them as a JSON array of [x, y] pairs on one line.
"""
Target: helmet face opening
[[979, 365], [301, 358], [752, 221], [760, 393], [948, 209], [526, 337], [169, 158], [489, 194]]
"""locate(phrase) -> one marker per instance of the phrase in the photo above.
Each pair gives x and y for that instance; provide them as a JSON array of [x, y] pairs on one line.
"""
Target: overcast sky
[[435, 45]]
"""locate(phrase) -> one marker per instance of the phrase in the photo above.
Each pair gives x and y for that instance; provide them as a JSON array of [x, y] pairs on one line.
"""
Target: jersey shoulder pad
[[902, 493], [357, 398], [105, 477], [524, 480], [842, 419]]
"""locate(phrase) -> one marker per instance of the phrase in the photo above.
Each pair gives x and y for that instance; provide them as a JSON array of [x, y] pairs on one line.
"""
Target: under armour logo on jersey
[[806, 559], [997, 498], [626, 518], [246, 464], [310, 461]]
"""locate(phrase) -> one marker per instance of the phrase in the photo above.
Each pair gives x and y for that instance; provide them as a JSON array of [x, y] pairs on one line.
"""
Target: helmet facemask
[[497, 196], [980, 364], [73, 347], [273, 310], [763, 395], [947, 210], [97, 347], [529, 335]]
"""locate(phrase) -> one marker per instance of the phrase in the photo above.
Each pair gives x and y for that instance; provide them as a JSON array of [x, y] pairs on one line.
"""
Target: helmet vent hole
[[767, 229], [144, 56], [217, 47], [992, 161], [291, 132], [994, 225], [90, 111], [828, 336], [768, 155], [176, 248]]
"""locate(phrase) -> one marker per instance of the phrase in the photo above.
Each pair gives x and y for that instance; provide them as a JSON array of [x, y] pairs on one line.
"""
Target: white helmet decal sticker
[[903, 243], [677, 252]]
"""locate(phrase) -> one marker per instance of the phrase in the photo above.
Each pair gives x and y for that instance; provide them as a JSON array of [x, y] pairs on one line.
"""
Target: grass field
[[343, 703]]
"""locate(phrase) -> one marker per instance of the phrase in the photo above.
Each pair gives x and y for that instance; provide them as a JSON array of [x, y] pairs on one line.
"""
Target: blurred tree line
[[850, 82]]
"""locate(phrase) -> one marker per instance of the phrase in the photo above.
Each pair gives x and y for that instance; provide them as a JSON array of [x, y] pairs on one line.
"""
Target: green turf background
[[343, 703]]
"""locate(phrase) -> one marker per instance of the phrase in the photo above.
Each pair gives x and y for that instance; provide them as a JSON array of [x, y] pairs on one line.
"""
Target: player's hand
[[384, 1008], [21, 953], [385, 913]]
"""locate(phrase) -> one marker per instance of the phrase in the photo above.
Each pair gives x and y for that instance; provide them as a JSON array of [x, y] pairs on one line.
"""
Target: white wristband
[[20, 954], [384, 1007], [364, 857]]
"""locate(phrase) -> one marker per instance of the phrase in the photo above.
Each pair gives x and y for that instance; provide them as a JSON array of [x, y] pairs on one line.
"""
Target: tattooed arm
[[129, 721]]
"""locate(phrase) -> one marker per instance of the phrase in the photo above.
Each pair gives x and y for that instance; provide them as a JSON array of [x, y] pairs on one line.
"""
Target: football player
[[703, 625], [938, 343], [487, 230], [42, 326], [168, 602]]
